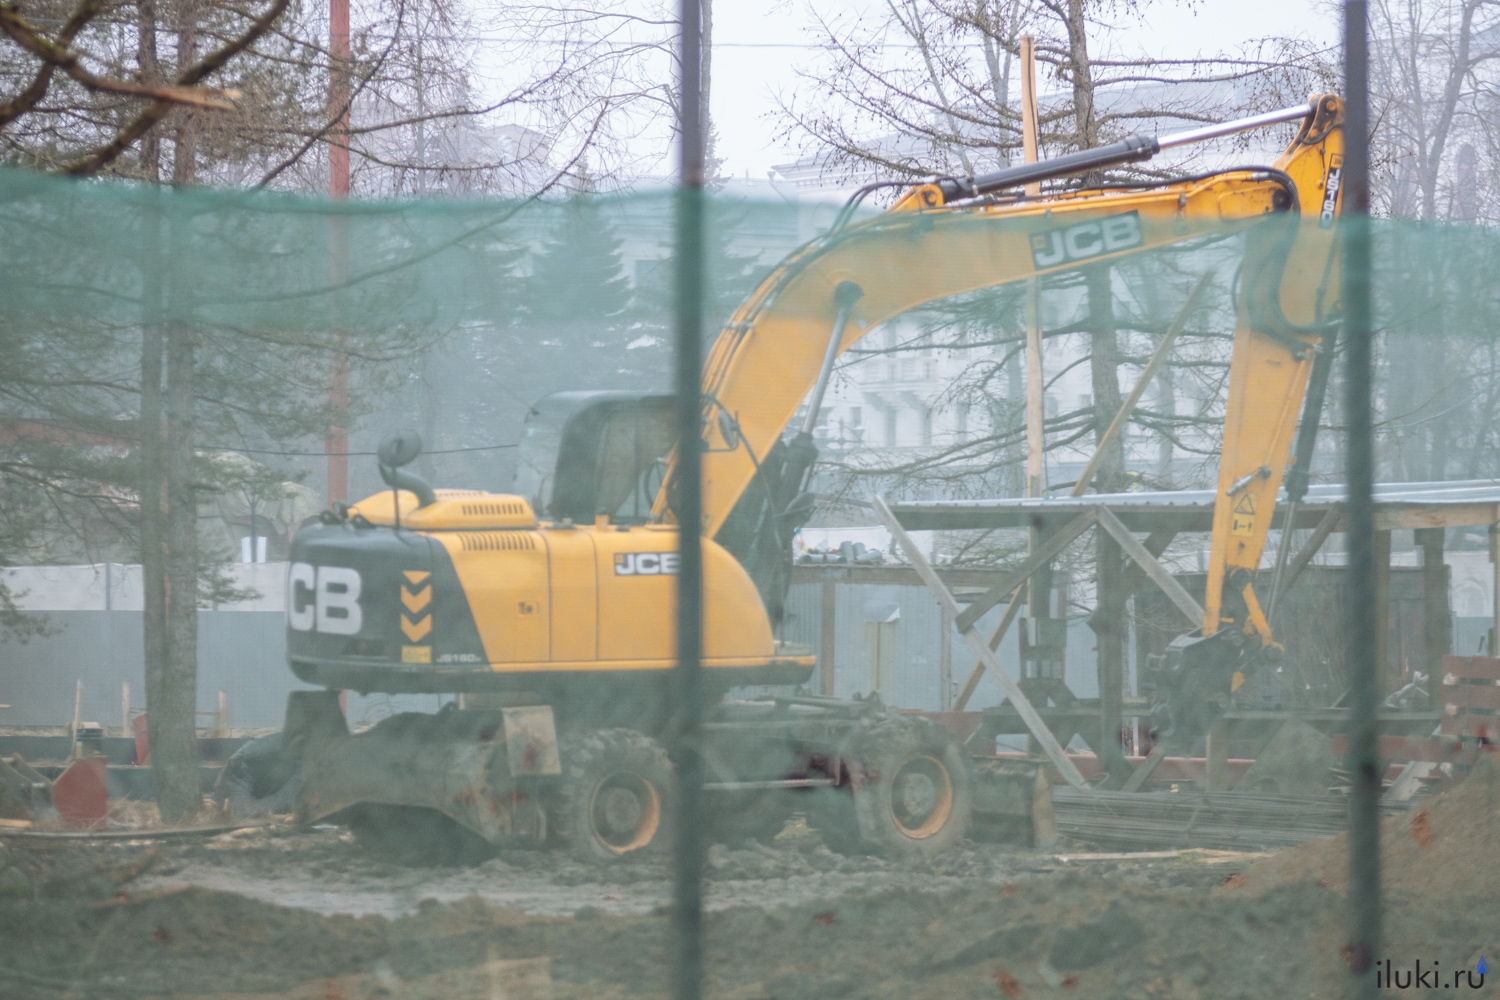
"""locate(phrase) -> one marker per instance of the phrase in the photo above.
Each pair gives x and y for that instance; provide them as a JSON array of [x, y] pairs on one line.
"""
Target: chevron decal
[[416, 631], [415, 602], [416, 596]]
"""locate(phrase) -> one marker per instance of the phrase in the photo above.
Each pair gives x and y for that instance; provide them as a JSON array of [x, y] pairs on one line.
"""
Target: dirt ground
[[311, 915]]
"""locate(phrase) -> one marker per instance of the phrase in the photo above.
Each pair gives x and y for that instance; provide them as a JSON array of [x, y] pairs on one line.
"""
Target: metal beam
[[1023, 706], [1043, 555]]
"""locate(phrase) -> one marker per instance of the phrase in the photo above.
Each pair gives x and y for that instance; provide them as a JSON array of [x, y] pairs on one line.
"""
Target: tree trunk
[[153, 498], [1104, 367], [1082, 77], [1015, 403], [1166, 405], [150, 70], [152, 484], [174, 752], [175, 758]]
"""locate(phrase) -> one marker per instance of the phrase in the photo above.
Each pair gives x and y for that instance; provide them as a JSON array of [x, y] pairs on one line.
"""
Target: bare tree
[[1433, 72], [924, 90]]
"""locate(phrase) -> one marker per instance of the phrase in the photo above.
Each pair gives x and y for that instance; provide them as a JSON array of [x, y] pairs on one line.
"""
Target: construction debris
[[1445, 848], [1226, 820]]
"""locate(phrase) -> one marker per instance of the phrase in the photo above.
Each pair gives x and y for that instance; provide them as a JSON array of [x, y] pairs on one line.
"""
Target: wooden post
[[1216, 754], [1035, 439], [1039, 598], [828, 636], [1108, 627], [77, 716], [1018, 699], [1490, 647], [1384, 679], [1029, 126], [125, 709], [223, 727], [1006, 620], [945, 659], [1437, 628]]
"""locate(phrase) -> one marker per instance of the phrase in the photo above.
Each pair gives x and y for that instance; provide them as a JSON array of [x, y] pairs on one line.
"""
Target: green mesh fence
[[280, 318]]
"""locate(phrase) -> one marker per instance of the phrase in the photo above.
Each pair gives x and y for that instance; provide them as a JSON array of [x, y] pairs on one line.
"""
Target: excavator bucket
[[480, 769]]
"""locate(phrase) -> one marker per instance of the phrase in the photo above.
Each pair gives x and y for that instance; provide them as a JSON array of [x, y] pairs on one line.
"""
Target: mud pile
[[788, 921], [1446, 848]]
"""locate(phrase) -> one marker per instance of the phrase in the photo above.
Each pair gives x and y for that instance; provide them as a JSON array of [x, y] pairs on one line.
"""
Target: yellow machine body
[[548, 597]]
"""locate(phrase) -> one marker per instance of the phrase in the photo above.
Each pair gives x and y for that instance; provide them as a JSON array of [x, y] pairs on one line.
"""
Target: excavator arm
[[952, 237]]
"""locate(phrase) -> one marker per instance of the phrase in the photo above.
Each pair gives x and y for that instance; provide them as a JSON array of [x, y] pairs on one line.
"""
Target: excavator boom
[[772, 350]]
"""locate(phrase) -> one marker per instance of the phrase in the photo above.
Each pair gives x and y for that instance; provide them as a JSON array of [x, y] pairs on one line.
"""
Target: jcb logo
[[1331, 185], [645, 564], [1087, 239], [325, 598]]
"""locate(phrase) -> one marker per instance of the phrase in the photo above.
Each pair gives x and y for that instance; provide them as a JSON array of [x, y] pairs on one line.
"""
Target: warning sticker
[[1243, 522]]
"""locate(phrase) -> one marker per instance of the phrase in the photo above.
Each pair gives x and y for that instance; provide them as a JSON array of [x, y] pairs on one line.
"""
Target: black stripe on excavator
[[455, 636], [413, 613]]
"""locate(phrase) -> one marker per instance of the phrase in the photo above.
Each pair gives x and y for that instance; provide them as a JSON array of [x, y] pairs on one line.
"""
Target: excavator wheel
[[757, 817], [912, 795], [830, 811], [617, 796]]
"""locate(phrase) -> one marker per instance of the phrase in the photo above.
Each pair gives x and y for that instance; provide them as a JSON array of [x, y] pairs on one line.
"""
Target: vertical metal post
[[336, 444], [1360, 624], [687, 896]]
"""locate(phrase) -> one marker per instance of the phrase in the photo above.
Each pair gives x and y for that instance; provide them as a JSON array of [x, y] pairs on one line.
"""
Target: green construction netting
[[458, 315], [280, 317]]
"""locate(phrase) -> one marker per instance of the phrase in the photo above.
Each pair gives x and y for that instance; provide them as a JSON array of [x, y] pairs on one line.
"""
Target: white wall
[[117, 587]]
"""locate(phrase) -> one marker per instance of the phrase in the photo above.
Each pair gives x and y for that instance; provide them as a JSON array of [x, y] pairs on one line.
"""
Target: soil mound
[[1445, 848]]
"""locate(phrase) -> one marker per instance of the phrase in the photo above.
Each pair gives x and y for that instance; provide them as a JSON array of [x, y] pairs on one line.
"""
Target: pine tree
[[578, 284]]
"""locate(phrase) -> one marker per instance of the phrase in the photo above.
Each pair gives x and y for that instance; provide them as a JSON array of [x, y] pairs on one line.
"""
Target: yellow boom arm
[[771, 352]]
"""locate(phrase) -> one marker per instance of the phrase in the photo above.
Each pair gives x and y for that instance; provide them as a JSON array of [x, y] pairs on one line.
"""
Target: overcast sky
[[759, 43]]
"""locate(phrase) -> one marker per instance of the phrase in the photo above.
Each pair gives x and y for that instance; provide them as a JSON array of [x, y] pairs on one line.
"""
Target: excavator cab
[[589, 454], [584, 455]]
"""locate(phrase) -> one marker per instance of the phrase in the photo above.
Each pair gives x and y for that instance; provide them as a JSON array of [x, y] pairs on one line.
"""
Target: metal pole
[[1362, 615], [336, 443], [687, 896]]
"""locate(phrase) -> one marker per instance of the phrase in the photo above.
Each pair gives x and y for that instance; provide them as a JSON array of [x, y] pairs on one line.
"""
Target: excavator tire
[[913, 793], [617, 796], [757, 817], [830, 811]]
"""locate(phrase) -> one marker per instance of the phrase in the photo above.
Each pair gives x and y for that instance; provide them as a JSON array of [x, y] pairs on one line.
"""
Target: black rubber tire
[[912, 791], [617, 797], [830, 811], [259, 779], [412, 835], [739, 820]]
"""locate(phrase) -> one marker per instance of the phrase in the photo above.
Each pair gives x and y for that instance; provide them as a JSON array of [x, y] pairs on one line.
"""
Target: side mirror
[[399, 449]]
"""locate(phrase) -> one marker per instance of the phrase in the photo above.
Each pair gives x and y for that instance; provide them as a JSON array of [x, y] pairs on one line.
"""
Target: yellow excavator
[[551, 609]]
